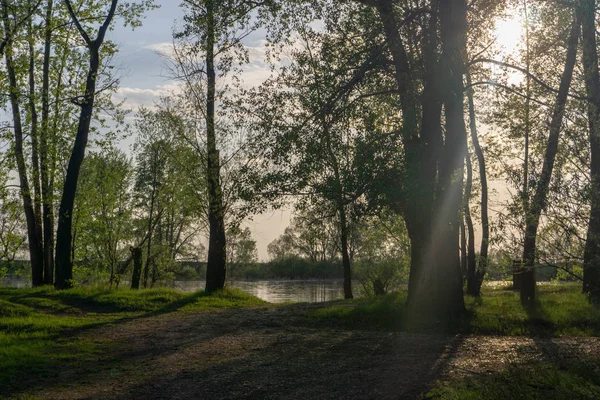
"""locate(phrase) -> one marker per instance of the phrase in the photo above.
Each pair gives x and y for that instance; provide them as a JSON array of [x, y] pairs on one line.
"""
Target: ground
[[283, 352]]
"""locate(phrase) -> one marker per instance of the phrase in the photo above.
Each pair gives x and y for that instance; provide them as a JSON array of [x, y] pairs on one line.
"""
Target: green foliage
[[382, 257]]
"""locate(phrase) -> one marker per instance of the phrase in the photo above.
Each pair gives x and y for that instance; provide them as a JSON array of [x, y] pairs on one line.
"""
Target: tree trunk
[[591, 258], [472, 286], [33, 133], [47, 190], [217, 252], [463, 250], [538, 202], [448, 284], [136, 254], [485, 225], [64, 262], [345, 255], [35, 246]]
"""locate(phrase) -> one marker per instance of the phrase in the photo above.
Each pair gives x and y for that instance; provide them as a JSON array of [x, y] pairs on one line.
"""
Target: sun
[[510, 34]]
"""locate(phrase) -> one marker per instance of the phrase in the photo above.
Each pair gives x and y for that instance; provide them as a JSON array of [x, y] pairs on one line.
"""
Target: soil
[[278, 353]]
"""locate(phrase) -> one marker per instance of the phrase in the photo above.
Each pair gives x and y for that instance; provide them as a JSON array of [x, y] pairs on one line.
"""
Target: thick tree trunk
[[472, 286], [47, 190], [485, 225], [217, 251], [421, 161], [435, 281], [35, 246], [447, 287], [538, 201], [591, 262]]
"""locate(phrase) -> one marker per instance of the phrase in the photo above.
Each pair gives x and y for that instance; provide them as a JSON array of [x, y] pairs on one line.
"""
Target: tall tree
[[207, 48], [538, 202], [27, 194], [64, 263], [591, 263]]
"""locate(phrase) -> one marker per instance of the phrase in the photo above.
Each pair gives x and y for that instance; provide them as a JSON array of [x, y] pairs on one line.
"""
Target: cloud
[[137, 97]]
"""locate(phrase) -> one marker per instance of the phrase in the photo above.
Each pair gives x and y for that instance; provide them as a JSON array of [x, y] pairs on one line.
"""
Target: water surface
[[282, 291]]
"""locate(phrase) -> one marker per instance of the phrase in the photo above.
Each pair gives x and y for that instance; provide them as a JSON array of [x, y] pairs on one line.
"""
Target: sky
[[144, 78]]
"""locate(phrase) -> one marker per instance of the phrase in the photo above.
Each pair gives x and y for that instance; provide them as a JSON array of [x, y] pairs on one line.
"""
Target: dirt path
[[275, 353]]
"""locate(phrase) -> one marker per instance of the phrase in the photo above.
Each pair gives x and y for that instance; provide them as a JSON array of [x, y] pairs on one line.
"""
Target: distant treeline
[[288, 268]]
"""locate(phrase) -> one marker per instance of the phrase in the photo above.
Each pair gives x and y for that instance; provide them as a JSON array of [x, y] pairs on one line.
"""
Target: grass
[[36, 324], [579, 380], [561, 310], [37, 327]]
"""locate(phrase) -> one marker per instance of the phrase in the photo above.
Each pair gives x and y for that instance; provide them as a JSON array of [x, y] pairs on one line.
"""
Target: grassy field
[[561, 310], [43, 330]]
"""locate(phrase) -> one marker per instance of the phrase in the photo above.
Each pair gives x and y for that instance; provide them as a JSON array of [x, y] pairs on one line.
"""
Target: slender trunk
[[151, 223], [47, 192], [64, 262], [33, 133], [472, 287], [591, 262], [217, 250], [35, 246], [485, 225], [518, 277], [538, 202], [463, 250]]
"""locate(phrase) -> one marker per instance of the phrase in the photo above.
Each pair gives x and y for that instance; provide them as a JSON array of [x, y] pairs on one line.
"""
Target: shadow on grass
[[37, 332], [546, 380]]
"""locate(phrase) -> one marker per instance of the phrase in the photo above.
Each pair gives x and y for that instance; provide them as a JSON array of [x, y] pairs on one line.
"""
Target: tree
[[538, 202], [168, 190], [64, 263], [241, 250], [209, 47], [103, 210], [86, 102], [591, 265]]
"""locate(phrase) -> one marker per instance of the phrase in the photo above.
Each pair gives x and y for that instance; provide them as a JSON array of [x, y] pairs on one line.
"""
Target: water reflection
[[282, 291]]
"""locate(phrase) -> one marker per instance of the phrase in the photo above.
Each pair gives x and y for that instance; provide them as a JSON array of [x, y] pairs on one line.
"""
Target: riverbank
[[97, 343]]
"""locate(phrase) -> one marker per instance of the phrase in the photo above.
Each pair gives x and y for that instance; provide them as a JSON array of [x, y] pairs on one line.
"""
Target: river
[[273, 291]]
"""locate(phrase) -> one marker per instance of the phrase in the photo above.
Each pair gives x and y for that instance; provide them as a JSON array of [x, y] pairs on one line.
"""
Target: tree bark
[[136, 254], [64, 262], [453, 25], [217, 252], [538, 201], [47, 190], [463, 250], [35, 245], [591, 258], [485, 225], [472, 287], [33, 133]]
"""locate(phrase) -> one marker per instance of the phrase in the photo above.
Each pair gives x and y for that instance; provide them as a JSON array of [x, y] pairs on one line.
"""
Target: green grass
[[560, 310], [36, 324], [580, 380]]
